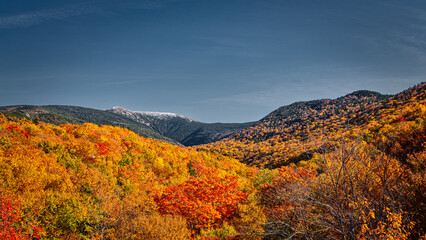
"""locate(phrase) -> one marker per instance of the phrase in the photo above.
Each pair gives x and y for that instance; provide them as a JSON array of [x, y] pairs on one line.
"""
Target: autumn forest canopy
[[348, 168]]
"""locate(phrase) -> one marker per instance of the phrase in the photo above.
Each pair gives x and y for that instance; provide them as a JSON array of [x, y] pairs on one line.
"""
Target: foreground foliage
[[104, 182], [358, 173], [370, 184], [358, 181]]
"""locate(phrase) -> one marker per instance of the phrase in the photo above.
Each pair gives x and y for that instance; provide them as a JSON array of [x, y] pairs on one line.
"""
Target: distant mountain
[[169, 127], [56, 114], [267, 142], [180, 128], [290, 133], [300, 118]]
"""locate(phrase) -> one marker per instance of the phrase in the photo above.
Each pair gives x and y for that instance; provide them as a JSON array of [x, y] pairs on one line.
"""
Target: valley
[[350, 167]]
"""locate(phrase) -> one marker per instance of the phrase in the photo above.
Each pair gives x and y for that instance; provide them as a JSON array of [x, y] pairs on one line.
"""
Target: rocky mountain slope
[[182, 129]]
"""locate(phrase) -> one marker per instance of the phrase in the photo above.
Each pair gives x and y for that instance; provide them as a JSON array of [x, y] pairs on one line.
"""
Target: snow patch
[[158, 115], [161, 115]]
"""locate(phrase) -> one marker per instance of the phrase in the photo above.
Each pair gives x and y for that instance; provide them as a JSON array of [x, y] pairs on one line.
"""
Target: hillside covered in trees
[[291, 133], [79, 181], [349, 168], [58, 114], [168, 127]]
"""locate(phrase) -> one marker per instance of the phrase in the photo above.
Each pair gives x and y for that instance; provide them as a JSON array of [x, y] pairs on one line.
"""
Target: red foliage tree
[[9, 216], [10, 222], [12, 226], [204, 202]]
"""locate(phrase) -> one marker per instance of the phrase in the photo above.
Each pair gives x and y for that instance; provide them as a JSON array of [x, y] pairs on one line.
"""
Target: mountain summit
[[181, 128], [156, 115]]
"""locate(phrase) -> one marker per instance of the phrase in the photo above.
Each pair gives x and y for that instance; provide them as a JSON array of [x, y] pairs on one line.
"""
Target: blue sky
[[211, 60]]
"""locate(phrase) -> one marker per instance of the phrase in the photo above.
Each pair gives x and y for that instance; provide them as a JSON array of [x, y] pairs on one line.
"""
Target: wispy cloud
[[413, 45], [236, 46], [124, 82], [37, 17], [69, 11], [280, 94], [141, 4], [147, 4], [310, 83], [410, 38]]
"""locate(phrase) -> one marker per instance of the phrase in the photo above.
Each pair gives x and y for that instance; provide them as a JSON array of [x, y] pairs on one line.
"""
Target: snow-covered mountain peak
[[160, 114], [157, 115]]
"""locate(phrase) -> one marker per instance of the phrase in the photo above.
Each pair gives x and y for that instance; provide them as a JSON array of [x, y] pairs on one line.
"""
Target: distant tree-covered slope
[[300, 118], [58, 114], [168, 127], [285, 135]]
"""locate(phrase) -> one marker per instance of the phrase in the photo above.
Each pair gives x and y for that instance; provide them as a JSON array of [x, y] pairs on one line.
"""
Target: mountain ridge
[[160, 115], [62, 114], [170, 127], [179, 129], [271, 142], [187, 131]]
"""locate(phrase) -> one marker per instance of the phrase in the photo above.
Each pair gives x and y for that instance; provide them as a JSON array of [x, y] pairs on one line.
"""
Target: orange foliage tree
[[205, 202]]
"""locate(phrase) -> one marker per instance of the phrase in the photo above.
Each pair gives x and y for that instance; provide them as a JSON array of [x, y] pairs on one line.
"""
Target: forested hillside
[[104, 182], [57, 114], [358, 173], [360, 166], [291, 133], [169, 127]]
